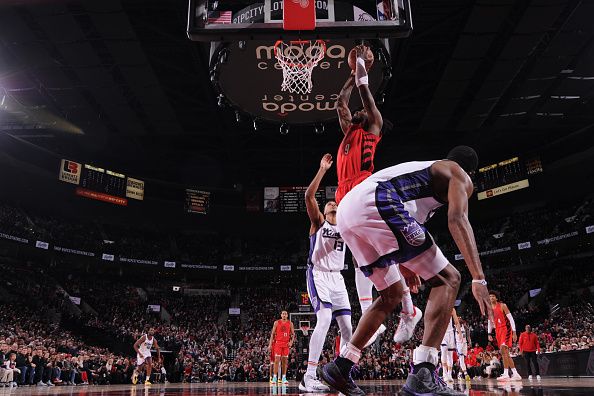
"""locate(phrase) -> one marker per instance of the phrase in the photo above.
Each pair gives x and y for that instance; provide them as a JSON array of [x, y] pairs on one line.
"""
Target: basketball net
[[298, 59], [305, 330]]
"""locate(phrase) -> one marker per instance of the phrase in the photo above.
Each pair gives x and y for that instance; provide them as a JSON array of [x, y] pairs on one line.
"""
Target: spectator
[[529, 347]]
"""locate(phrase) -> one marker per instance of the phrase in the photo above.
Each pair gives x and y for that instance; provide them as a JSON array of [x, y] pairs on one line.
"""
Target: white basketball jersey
[[147, 345], [450, 325], [326, 249], [461, 339], [412, 180]]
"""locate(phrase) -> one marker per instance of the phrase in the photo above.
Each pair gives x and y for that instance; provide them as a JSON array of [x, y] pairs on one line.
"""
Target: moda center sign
[[248, 76]]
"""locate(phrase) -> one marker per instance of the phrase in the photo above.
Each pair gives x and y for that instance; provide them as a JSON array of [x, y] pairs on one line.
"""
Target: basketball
[[368, 56]]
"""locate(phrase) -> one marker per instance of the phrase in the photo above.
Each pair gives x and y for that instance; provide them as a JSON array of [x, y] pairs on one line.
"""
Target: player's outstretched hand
[[481, 295], [412, 280], [361, 50], [514, 337], [326, 161]]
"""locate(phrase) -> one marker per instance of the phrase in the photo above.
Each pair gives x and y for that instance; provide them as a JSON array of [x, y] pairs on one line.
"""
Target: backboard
[[247, 76], [227, 20]]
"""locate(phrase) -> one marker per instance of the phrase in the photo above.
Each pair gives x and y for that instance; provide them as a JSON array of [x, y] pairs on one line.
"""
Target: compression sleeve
[[511, 321]]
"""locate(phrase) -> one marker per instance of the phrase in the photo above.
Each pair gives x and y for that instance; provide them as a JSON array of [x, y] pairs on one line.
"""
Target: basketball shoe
[[422, 383], [406, 326], [312, 384]]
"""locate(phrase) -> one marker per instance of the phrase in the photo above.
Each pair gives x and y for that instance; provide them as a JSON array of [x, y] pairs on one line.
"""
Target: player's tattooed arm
[[313, 210], [374, 117], [342, 104]]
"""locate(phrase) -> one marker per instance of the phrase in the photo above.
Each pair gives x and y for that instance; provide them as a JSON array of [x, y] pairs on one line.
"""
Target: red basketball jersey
[[283, 331], [500, 319], [355, 154]]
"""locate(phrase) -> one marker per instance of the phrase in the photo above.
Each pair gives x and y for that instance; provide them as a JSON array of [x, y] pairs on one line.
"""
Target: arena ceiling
[[119, 84]]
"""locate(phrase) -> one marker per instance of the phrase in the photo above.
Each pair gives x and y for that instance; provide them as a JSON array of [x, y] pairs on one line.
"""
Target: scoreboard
[[292, 199], [197, 201], [101, 184], [103, 181], [506, 176]]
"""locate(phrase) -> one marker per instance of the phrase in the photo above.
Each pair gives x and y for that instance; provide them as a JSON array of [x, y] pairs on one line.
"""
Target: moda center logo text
[[285, 103]]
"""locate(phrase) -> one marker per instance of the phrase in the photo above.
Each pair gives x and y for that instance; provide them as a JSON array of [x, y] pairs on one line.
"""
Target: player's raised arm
[[313, 210], [374, 117], [459, 190], [342, 104]]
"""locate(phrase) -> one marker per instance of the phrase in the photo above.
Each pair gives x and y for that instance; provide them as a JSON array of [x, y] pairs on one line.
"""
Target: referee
[[529, 347]]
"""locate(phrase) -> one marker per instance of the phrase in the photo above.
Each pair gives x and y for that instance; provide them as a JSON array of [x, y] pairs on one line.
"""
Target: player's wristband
[[480, 281], [361, 77]]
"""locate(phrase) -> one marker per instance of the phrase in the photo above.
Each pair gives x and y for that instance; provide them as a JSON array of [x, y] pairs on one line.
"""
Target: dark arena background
[[153, 179]]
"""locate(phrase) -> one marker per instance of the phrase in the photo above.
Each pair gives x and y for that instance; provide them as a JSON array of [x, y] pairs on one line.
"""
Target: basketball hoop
[[305, 330], [298, 59], [304, 326]]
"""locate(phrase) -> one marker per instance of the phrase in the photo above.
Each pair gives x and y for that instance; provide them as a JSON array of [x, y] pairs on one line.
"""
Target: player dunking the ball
[[325, 284], [382, 220], [282, 338], [505, 335], [143, 348], [362, 133]]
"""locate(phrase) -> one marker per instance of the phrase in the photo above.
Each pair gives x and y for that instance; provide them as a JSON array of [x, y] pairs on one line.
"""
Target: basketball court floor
[[546, 387]]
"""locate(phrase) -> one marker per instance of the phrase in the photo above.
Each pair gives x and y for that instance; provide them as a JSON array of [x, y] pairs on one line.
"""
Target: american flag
[[219, 16]]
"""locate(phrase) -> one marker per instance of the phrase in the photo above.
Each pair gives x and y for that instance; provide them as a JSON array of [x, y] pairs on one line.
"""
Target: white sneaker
[[406, 327], [529, 378], [516, 377], [538, 377], [377, 333], [504, 378], [449, 379], [311, 384]]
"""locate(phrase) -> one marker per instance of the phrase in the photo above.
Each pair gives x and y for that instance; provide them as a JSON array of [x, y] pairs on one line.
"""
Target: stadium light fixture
[[284, 129], [221, 100]]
